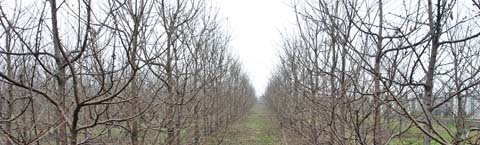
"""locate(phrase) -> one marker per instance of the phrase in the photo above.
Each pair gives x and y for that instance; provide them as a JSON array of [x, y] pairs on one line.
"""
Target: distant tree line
[[117, 72], [380, 72]]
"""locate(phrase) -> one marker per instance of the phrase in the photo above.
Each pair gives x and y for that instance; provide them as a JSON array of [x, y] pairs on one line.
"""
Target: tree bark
[[10, 101], [377, 92], [133, 86], [428, 98], [60, 76]]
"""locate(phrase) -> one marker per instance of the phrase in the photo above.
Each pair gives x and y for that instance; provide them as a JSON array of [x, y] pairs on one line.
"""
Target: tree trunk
[[377, 126], [333, 91], [459, 121], [133, 86], [9, 102], [171, 110], [428, 98], [73, 128], [61, 77]]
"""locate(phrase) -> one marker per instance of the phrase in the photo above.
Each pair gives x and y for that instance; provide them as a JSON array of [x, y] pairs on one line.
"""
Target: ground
[[259, 127]]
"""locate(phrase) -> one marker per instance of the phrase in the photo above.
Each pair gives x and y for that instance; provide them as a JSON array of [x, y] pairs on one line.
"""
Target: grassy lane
[[258, 128]]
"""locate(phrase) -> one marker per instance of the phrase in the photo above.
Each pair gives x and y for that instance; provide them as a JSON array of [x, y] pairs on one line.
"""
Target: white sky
[[255, 26]]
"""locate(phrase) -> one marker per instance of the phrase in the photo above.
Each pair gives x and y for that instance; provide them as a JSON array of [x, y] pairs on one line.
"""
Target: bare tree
[[397, 72]]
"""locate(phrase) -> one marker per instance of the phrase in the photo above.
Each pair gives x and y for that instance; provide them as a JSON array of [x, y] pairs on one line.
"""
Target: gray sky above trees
[[255, 26]]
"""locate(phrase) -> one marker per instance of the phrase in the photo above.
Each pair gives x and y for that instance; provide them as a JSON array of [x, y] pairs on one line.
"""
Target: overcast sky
[[255, 26]]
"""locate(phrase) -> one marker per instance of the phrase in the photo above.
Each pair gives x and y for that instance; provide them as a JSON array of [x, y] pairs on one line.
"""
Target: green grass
[[414, 136], [260, 122], [265, 140], [255, 129]]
